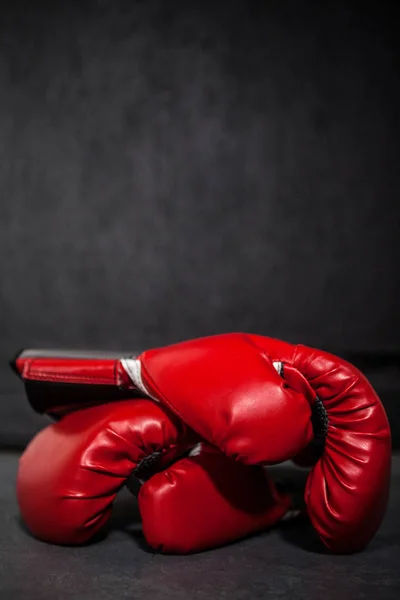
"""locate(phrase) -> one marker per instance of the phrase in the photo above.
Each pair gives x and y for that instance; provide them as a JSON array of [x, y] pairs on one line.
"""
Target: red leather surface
[[225, 388], [208, 500], [73, 370], [347, 491], [71, 472]]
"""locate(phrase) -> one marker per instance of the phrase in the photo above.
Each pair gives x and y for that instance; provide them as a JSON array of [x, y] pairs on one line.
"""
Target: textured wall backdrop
[[173, 169]]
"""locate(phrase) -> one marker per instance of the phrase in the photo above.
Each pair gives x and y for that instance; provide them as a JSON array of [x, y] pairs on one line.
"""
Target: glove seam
[[40, 376], [263, 352], [165, 448]]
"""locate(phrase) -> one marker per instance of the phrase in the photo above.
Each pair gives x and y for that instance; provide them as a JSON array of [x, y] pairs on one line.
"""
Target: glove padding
[[71, 472], [261, 401]]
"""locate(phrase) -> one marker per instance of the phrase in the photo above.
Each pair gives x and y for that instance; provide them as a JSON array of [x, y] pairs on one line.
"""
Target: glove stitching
[[39, 376], [26, 368]]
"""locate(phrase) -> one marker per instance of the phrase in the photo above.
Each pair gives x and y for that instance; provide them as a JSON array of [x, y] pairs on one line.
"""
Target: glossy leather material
[[229, 391], [57, 383], [72, 471], [226, 389], [71, 370], [208, 500]]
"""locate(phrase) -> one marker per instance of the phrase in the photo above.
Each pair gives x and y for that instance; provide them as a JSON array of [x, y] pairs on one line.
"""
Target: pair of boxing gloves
[[195, 423]]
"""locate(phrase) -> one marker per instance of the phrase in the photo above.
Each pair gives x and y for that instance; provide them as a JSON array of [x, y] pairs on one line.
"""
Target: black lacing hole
[[141, 472], [320, 425]]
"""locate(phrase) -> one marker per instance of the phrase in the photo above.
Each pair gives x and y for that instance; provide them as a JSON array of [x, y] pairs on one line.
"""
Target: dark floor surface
[[283, 563]]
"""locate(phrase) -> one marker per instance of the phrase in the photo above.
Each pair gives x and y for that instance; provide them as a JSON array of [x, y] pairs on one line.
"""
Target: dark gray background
[[175, 169], [170, 169]]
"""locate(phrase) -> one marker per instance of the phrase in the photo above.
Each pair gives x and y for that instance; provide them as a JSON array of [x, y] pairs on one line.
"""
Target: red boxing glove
[[71, 472], [261, 401]]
